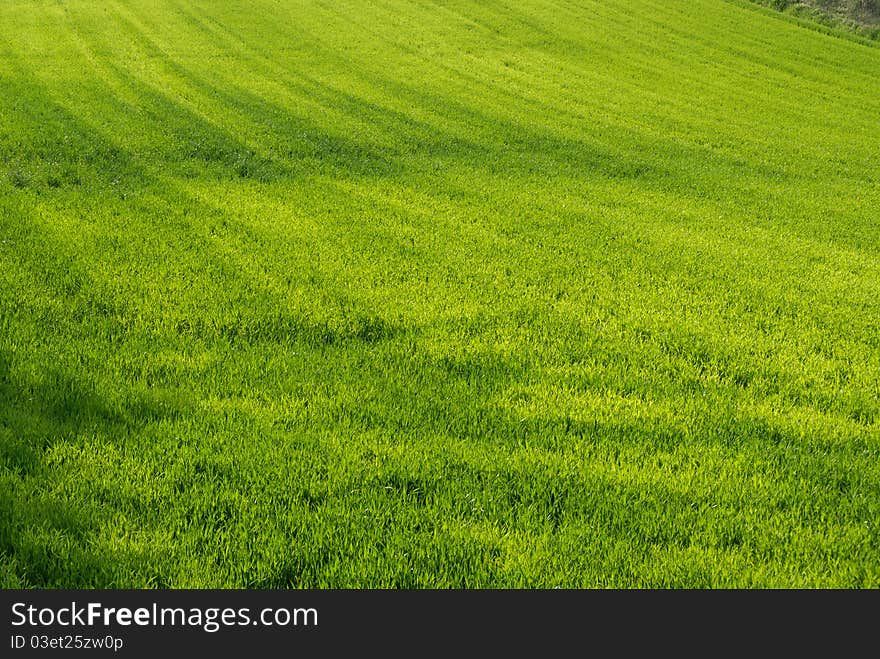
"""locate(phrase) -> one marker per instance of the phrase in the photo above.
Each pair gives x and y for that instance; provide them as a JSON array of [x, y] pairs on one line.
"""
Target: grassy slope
[[436, 293]]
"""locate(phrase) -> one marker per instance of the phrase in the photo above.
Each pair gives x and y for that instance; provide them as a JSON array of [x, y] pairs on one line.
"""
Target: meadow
[[437, 293]]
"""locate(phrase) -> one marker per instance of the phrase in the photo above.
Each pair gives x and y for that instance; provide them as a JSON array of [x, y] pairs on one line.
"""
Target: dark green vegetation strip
[[861, 17], [429, 294]]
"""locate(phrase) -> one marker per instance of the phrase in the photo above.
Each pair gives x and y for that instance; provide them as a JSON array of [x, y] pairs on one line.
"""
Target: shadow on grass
[[47, 527], [454, 489], [509, 485]]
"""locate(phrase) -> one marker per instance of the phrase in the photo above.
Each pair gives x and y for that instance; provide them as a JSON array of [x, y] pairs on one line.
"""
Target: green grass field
[[428, 294]]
